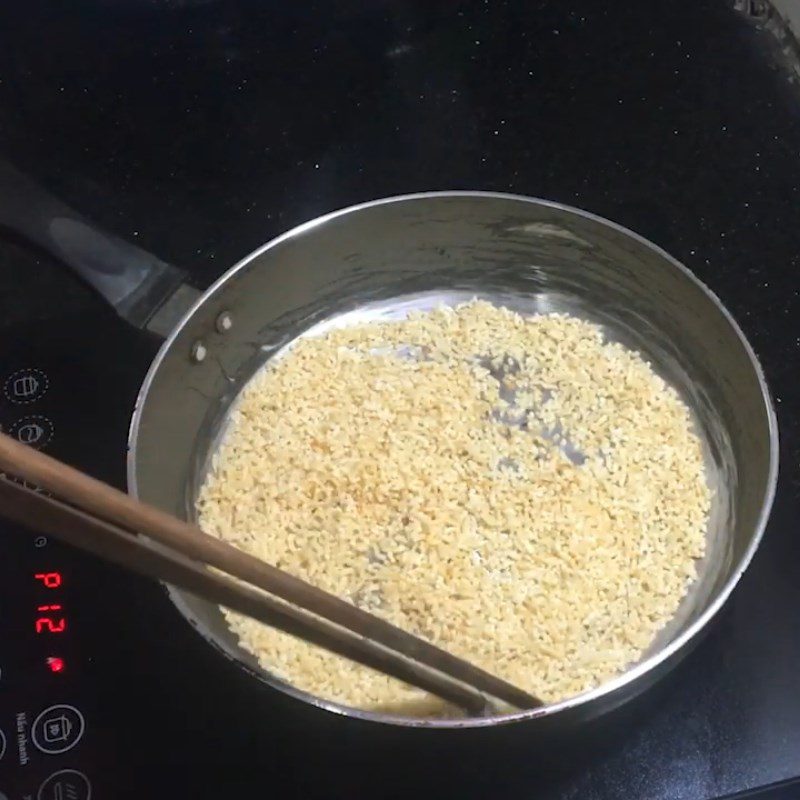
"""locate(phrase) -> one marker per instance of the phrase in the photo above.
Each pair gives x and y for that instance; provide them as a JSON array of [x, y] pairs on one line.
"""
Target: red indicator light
[[55, 664], [52, 580]]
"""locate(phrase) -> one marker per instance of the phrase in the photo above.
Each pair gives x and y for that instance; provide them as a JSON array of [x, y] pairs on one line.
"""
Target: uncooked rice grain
[[516, 490]]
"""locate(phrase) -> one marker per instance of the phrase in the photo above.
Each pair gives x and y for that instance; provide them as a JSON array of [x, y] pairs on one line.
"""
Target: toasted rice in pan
[[517, 490]]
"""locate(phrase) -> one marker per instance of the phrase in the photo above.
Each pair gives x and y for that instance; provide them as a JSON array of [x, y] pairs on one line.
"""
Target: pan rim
[[605, 690]]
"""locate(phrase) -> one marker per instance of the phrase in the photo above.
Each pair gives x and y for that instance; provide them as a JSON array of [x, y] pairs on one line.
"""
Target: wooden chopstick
[[109, 504], [79, 529]]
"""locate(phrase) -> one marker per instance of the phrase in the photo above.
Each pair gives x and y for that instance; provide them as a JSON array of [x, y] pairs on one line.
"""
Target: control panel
[[44, 722]]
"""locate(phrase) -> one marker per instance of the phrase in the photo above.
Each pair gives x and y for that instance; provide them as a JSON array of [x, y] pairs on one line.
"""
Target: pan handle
[[133, 281]]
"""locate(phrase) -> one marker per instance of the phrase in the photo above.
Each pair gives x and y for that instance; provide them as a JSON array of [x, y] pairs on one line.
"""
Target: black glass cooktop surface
[[199, 129]]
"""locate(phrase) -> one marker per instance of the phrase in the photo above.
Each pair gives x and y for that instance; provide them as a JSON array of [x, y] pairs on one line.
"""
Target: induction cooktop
[[199, 130]]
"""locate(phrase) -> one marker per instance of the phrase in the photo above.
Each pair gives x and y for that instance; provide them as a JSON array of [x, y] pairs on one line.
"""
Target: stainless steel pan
[[380, 259]]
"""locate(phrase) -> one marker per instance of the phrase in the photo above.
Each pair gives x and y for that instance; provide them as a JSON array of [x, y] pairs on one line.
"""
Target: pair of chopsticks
[[96, 517]]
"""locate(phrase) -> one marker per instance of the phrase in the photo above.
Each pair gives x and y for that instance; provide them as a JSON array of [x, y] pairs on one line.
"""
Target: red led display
[[50, 624], [55, 664], [52, 580]]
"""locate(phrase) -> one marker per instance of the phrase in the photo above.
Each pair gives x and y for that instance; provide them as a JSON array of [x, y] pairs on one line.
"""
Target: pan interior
[[380, 261], [718, 460]]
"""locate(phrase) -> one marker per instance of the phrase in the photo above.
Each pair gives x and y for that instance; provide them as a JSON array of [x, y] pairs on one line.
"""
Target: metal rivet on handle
[[224, 322], [199, 351]]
